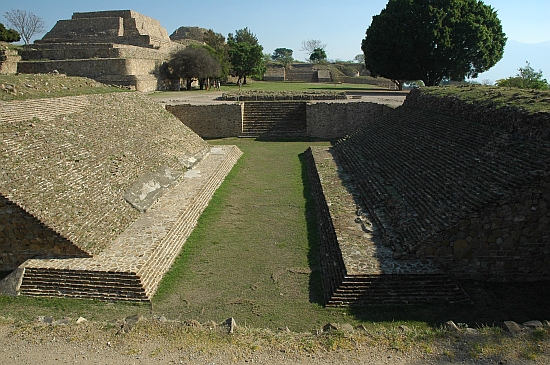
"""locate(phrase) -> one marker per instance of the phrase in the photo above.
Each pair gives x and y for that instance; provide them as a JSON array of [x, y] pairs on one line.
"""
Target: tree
[[283, 55], [430, 40], [217, 42], [310, 46], [193, 62], [318, 55], [245, 54], [243, 35], [26, 23], [8, 35], [527, 78], [360, 58]]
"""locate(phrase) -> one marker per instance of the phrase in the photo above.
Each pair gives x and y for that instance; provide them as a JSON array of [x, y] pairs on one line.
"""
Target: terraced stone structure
[[113, 47], [433, 192], [98, 194]]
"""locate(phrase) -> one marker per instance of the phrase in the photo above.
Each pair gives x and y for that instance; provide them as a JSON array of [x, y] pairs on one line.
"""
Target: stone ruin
[[8, 59], [435, 191], [113, 47], [98, 194]]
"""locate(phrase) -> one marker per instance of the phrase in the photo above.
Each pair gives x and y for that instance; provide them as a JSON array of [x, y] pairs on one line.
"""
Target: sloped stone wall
[[71, 169], [23, 237], [456, 183]]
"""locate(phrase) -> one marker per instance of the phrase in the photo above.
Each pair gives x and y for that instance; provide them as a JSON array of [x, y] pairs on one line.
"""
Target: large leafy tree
[[193, 62], [8, 35], [217, 43], [318, 55], [26, 23], [245, 54], [283, 55], [432, 40]]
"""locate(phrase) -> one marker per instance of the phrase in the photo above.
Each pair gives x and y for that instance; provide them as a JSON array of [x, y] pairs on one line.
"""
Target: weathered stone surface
[[532, 324], [512, 327], [122, 48]]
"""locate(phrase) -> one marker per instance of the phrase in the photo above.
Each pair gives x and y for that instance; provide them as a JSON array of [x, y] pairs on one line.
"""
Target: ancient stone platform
[[132, 266], [357, 267], [98, 194]]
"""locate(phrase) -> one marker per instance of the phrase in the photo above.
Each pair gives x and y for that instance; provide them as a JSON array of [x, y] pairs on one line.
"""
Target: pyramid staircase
[[274, 120]]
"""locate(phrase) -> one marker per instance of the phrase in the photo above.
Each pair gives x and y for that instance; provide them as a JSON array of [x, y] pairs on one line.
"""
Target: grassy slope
[[530, 100], [50, 86]]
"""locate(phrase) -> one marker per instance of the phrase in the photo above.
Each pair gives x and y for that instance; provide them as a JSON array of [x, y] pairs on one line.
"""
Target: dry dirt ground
[[169, 343]]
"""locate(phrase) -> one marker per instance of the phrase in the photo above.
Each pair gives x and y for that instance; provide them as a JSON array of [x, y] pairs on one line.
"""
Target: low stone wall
[[8, 61], [210, 121], [325, 120]]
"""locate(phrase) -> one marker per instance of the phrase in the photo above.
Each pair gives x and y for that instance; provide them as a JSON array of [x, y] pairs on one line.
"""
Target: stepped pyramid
[[119, 47]]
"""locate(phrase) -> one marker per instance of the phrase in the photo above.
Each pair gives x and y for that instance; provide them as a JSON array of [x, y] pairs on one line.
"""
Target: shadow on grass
[[315, 283]]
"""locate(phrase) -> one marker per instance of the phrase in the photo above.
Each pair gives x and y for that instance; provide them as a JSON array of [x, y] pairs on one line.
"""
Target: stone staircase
[[301, 73], [274, 120]]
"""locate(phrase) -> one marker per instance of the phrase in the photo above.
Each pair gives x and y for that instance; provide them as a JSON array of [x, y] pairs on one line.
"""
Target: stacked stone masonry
[[113, 47], [66, 164], [323, 120], [274, 119], [357, 268], [8, 61], [473, 196]]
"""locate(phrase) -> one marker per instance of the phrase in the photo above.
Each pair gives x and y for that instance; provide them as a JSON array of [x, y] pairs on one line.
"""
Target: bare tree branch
[[25, 22]]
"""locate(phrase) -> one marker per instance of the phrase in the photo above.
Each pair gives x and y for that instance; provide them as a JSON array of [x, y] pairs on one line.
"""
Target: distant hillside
[[515, 55]]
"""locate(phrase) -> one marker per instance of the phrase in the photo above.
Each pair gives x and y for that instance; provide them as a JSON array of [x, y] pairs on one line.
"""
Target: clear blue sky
[[286, 23]]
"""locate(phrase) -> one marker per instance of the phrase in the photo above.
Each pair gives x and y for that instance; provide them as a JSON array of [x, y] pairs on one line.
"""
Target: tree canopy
[[243, 35], [193, 62], [8, 35], [26, 23], [245, 54], [318, 55], [310, 46], [283, 55], [430, 40], [527, 78], [217, 43]]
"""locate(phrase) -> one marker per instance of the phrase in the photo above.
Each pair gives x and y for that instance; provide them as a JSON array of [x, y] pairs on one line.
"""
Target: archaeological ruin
[[113, 47], [98, 194], [434, 191]]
